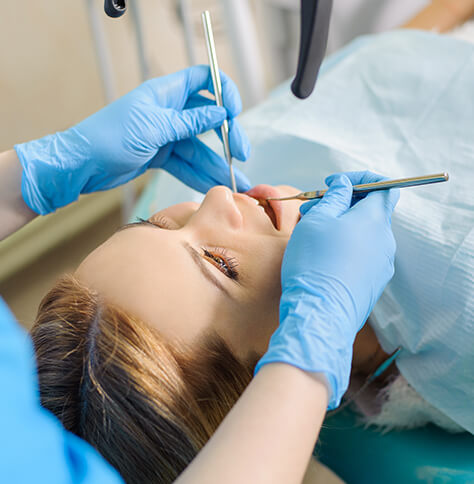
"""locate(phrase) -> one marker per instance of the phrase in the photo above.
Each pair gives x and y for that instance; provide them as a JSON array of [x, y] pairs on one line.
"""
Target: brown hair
[[146, 404]]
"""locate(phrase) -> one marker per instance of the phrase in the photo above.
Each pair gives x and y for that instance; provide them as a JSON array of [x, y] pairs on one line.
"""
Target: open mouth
[[268, 210], [273, 207]]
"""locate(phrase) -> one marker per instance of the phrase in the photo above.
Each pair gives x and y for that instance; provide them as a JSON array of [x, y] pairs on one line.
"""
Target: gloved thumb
[[336, 201], [179, 125]]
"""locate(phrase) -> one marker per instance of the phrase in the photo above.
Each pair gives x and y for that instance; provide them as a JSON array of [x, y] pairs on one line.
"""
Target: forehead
[[149, 273]]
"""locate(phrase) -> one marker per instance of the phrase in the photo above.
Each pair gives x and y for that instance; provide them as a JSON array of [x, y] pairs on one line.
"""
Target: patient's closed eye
[[219, 258], [163, 222]]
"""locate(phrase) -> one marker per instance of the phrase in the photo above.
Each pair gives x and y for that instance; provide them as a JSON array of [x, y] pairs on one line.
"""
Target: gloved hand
[[336, 265], [153, 126]]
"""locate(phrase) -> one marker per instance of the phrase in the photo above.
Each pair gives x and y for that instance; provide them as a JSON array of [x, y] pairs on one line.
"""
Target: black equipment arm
[[315, 17]]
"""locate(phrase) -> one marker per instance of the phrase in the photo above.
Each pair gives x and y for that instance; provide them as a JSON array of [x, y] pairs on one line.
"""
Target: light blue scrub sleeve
[[34, 445]]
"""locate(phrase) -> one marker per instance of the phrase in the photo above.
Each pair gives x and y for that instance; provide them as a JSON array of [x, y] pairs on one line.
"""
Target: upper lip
[[261, 193]]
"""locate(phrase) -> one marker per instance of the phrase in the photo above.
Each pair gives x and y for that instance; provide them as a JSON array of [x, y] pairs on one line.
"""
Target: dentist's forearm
[[442, 15], [14, 213], [269, 435]]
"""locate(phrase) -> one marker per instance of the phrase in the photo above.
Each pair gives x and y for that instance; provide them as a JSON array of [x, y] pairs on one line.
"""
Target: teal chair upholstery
[[362, 455]]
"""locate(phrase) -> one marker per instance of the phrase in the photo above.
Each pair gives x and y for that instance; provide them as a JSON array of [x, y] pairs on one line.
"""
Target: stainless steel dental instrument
[[216, 81], [371, 187]]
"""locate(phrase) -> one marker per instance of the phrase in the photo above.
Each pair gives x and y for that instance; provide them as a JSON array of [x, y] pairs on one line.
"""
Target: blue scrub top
[[34, 447]]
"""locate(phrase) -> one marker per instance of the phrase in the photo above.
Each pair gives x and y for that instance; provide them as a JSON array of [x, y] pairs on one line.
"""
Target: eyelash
[[219, 257], [161, 222]]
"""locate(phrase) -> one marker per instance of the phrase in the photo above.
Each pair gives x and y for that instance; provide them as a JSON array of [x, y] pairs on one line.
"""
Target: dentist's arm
[[269, 435], [14, 212], [442, 15]]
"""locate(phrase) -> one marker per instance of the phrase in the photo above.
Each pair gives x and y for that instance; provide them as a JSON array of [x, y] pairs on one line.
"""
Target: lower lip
[[262, 192]]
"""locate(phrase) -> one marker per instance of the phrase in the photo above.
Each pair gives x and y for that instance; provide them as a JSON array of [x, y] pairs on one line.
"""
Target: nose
[[219, 204]]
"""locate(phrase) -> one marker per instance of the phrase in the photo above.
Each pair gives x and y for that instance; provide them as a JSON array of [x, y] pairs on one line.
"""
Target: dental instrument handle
[[216, 82], [371, 187]]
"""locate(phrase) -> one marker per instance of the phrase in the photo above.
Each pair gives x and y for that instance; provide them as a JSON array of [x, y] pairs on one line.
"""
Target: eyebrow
[[195, 255]]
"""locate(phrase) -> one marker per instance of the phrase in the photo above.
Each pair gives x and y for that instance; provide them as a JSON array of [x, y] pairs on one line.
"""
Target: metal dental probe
[[216, 81], [371, 187]]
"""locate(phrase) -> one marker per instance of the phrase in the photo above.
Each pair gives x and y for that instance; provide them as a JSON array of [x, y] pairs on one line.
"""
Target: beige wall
[[48, 70]]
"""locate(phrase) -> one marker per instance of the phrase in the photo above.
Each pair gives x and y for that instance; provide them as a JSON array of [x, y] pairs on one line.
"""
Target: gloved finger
[[199, 78], [308, 206], [198, 100], [186, 172], [230, 96], [238, 140], [379, 204], [355, 177], [336, 201], [199, 167], [390, 197], [212, 163], [176, 125], [163, 154], [198, 180], [359, 177]]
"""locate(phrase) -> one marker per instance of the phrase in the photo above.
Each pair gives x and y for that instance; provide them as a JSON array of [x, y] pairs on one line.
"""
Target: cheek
[[263, 301], [266, 278]]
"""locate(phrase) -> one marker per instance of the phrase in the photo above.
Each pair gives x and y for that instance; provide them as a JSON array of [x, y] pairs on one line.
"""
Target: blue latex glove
[[153, 126], [336, 265]]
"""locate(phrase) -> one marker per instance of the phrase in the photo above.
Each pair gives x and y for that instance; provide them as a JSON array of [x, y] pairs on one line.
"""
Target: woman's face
[[192, 268]]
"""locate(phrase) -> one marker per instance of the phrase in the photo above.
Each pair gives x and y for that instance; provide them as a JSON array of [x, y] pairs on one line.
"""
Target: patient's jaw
[[195, 268]]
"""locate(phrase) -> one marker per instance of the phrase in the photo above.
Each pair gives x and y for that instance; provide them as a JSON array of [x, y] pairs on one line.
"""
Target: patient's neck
[[368, 354]]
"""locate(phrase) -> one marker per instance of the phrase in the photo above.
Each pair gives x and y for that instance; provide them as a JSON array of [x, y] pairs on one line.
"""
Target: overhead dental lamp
[[314, 29]]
